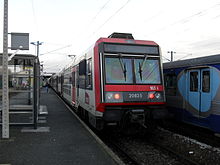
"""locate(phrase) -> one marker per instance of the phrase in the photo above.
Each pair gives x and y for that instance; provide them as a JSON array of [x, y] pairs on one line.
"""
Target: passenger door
[[193, 90], [198, 91]]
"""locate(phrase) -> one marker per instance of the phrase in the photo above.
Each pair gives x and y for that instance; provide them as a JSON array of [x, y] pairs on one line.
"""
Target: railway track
[[164, 147], [185, 160], [141, 150], [127, 158]]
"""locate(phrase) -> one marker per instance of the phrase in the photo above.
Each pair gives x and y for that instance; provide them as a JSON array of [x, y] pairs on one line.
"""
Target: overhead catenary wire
[[190, 54], [166, 58], [109, 18], [97, 14], [194, 16], [94, 18], [56, 50], [34, 16], [186, 19]]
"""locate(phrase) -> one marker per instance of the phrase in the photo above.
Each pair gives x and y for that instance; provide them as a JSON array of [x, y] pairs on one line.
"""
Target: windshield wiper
[[141, 67], [123, 66]]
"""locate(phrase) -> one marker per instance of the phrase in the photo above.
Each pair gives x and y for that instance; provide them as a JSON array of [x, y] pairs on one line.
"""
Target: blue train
[[193, 91]]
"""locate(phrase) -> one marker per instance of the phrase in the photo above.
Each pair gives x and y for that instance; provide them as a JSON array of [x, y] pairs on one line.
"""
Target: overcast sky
[[189, 27]]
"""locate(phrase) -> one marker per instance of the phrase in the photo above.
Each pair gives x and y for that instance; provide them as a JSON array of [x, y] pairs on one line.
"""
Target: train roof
[[124, 38], [125, 41], [212, 59]]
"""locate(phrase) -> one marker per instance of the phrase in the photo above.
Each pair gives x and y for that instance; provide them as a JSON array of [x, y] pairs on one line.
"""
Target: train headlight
[[151, 95], [113, 97], [117, 96]]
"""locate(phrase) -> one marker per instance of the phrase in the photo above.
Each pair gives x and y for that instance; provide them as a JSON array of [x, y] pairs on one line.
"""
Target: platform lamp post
[[38, 43], [71, 55]]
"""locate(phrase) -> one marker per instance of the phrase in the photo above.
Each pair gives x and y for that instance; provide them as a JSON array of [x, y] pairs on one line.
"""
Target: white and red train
[[118, 80]]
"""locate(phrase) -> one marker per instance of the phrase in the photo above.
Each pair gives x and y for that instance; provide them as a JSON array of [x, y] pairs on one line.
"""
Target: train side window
[[82, 67], [70, 80], [193, 81], [82, 74], [61, 79], [206, 81], [73, 79], [170, 82], [77, 76], [0, 81], [89, 74]]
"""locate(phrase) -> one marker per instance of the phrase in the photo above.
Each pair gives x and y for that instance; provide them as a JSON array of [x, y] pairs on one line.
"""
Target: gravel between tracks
[[142, 148], [147, 154], [190, 148]]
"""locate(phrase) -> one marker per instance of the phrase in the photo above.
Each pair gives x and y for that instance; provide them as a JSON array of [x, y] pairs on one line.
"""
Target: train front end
[[128, 81]]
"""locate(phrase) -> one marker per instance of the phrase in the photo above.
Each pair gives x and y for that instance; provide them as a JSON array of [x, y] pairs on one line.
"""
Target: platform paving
[[66, 141]]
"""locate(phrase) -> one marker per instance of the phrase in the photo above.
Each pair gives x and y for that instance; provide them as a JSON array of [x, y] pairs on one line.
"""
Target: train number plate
[[135, 96]]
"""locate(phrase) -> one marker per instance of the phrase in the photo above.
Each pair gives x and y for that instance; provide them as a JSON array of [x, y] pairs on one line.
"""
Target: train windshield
[[118, 70], [124, 70], [147, 71]]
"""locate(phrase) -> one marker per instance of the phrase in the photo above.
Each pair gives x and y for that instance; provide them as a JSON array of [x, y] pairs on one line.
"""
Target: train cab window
[[118, 70], [89, 74], [206, 81], [147, 71], [193, 81], [170, 82]]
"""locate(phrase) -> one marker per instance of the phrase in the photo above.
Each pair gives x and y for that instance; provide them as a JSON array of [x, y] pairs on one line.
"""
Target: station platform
[[62, 140]]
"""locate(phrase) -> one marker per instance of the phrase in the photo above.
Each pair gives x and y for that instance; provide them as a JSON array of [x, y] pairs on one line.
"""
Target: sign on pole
[[20, 41]]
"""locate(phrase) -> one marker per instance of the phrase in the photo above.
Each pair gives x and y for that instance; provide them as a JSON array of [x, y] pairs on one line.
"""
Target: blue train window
[[170, 82], [193, 81], [206, 81]]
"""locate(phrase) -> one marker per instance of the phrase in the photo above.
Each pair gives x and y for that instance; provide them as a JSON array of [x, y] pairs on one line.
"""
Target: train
[[192, 90], [118, 80]]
